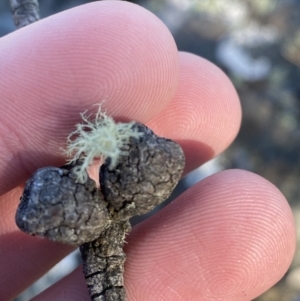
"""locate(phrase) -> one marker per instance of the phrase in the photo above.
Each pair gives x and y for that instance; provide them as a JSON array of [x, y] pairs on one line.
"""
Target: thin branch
[[24, 12], [57, 205]]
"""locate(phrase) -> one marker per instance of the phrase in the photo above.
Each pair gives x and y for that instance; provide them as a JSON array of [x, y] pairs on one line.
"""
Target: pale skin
[[229, 237]]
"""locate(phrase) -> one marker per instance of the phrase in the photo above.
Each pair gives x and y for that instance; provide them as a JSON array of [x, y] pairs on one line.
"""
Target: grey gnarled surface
[[59, 207], [103, 263], [55, 206], [145, 176]]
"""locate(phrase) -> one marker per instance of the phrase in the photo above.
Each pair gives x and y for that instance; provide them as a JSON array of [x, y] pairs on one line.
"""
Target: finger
[[109, 51], [230, 237], [205, 114]]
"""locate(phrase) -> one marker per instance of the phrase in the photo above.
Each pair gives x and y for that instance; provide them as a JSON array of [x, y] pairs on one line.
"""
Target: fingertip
[[107, 50], [111, 51], [229, 237], [205, 113], [252, 225], [218, 111]]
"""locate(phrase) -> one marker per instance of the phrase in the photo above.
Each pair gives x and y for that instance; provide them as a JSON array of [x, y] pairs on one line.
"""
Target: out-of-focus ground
[[257, 43]]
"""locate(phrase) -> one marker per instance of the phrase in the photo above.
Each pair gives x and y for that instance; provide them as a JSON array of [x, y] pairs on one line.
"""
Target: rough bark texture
[[145, 176], [103, 263], [25, 12], [55, 205]]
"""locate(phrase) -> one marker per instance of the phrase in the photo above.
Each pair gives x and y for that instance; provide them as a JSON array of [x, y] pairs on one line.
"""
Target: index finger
[[49, 75]]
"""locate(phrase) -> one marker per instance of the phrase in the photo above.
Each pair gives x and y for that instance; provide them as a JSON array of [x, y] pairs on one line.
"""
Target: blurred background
[[257, 43]]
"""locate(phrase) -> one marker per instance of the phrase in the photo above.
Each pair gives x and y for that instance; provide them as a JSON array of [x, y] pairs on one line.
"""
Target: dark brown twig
[[56, 205], [103, 263], [24, 12]]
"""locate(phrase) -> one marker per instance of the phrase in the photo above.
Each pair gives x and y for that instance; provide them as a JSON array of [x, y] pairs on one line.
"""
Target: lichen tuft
[[99, 138]]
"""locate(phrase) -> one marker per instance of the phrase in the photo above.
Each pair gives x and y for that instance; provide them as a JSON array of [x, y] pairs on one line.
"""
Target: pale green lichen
[[100, 138]]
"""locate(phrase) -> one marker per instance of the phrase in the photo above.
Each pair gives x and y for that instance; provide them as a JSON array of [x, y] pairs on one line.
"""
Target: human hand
[[229, 237]]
